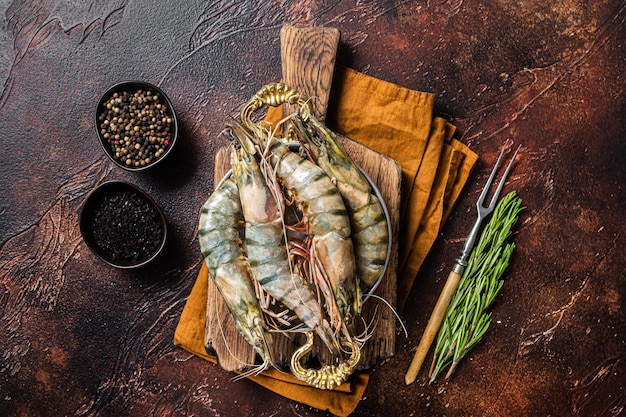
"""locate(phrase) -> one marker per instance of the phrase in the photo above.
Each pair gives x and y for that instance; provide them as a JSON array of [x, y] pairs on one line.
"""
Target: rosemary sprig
[[467, 318]]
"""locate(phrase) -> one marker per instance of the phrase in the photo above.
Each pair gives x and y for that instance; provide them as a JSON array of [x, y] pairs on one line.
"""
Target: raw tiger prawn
[[265, 238], [370, 230], [220, 244], [317, 273], [331, 254]]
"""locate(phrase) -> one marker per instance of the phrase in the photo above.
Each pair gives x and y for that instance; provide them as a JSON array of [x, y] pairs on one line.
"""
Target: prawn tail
[[335, 262], [295, 294], [254, 370], [328, 337]]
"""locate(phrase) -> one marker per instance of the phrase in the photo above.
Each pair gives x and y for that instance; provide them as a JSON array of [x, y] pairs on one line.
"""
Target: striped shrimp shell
[[332, 253], [265, 239], [220, 245], [370, 233]]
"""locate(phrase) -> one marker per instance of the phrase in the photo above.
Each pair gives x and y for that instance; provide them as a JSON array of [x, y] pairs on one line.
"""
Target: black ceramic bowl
[[136, 125], [122, 225]]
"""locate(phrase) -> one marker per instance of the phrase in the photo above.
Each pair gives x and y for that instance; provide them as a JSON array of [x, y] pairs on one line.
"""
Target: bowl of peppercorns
[[136, 125], [122, 225]]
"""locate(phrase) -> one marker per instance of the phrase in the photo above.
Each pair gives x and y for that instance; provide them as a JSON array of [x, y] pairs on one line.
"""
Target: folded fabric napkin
[[399, 123]]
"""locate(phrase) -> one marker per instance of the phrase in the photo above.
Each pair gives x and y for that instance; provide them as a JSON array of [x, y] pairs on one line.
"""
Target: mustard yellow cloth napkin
[[190, 335], [397, 122]]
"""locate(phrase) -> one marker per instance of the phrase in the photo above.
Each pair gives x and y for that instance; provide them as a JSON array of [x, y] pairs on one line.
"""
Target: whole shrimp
[[331, 252], [265, 241], [370, 234], [220, 244]]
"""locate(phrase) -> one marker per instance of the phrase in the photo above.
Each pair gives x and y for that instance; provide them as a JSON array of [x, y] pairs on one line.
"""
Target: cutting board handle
[[308, 57]]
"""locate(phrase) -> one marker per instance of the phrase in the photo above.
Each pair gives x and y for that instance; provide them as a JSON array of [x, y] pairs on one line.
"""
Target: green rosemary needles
[[468, 315]]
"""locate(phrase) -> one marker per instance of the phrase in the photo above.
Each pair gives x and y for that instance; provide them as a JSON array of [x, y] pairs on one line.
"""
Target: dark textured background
[[79, 338]]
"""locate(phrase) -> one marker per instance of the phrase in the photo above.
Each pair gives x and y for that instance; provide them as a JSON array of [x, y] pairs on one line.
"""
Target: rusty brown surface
[[79, 338]]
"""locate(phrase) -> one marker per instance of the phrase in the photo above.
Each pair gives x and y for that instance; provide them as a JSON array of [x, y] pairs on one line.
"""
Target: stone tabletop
[[79, 338]]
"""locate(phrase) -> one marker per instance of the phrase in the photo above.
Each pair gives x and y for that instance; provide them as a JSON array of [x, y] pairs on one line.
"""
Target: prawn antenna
[[393, 310]]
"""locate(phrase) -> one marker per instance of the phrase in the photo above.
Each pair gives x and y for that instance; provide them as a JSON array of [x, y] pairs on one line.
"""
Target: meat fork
[[436, 317]]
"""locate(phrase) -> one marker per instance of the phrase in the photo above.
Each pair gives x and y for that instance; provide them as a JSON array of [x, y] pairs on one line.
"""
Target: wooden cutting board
[[308, 57]]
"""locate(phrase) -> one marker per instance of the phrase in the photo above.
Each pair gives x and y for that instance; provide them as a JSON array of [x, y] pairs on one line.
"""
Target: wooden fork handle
[[433, 325]]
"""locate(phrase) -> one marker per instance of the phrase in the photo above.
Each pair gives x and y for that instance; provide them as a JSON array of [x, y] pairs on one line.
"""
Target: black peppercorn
[[137, 126], [126, 227]]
